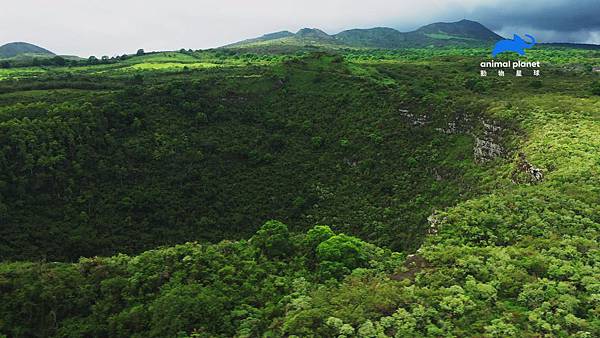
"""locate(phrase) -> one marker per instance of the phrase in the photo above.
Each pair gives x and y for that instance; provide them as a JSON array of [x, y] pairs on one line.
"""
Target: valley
[[285, 188]]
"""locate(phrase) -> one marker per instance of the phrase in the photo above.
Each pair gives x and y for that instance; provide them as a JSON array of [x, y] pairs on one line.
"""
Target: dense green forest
[[344, 193]]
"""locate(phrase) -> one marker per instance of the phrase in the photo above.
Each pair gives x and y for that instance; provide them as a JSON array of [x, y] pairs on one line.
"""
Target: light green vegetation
[[444, 36], [20, 73], [163, 62], [169, 66]]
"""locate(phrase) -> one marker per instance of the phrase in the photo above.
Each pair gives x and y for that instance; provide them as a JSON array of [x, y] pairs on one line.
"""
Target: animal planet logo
[[517, 45]]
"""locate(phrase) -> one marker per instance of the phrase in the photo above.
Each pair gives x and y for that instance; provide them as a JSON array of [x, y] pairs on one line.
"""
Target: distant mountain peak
[[13, 49], [466, 29], [312, 32], [277, 35]]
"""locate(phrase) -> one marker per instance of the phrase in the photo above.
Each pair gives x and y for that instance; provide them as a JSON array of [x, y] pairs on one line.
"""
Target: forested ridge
[[359, 194]]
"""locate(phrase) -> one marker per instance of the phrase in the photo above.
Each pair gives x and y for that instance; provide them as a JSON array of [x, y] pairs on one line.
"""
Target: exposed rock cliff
[[488, 145]]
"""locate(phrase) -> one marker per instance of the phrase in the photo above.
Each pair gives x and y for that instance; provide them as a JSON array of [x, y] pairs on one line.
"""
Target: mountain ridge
[[463, 32]]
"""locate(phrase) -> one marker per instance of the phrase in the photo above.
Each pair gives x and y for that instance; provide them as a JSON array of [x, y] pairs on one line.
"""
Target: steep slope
[[210, 155], [13, 49]]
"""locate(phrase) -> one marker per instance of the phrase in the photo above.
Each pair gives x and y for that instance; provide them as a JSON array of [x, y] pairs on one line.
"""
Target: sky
[[115, 27]]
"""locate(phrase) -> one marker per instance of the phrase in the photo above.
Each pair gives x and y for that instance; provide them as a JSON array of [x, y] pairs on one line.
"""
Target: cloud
[[111, 27], [554, 21]]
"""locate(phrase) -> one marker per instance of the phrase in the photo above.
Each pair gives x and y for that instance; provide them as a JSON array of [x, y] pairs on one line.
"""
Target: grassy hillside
[[455, 205]]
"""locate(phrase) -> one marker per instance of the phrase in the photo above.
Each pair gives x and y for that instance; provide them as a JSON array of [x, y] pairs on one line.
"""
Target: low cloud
[[552, 21]]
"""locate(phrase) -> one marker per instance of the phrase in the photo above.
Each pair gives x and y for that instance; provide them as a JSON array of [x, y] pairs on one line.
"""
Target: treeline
[[61, 61]]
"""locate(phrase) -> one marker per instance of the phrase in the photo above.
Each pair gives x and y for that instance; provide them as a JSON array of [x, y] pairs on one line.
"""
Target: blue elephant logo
[[517, 45]]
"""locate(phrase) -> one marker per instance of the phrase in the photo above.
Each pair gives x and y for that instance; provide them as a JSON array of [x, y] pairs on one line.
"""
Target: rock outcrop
[[526, 172], [414, 119], [487, 134], [488, 145]]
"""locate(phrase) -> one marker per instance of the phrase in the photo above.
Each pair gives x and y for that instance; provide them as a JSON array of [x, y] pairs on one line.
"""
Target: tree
[[596, 88], [140, 52], [273, 239], [187, 307], [317, 235], [339, 255], [201, 117], [59, 61]]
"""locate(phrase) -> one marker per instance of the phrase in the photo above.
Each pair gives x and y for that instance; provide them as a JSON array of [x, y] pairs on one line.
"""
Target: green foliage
[[186, 308], [536, 84], [130, 154], [273, 238], [596, 87], [100, 160], [318, 235], [222, 290], [339, 255]]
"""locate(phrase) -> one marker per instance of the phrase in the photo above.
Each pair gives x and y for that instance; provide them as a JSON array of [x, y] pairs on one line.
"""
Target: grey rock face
[[414, 119], [488, 145], [487, 134]]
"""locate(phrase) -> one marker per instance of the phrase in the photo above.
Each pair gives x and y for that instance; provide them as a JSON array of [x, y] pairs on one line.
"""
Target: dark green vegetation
[[125, 164], [408, 151], [245, 286]]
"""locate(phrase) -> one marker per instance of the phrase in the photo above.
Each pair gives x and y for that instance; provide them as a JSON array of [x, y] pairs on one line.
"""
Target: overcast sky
[[112, 27]]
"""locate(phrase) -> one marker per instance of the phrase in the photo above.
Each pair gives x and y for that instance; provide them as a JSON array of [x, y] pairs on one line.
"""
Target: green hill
[[14, 49], [461, 30]]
